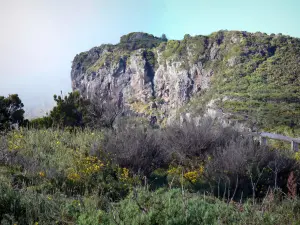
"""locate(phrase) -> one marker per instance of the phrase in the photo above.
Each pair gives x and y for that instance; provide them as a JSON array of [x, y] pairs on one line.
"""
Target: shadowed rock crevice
[[150, 62]]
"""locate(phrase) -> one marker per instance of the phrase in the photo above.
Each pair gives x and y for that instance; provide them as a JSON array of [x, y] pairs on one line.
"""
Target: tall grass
[[179, 175]]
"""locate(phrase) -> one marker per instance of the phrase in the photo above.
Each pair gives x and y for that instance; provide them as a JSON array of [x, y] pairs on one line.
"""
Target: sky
[[40, 38]]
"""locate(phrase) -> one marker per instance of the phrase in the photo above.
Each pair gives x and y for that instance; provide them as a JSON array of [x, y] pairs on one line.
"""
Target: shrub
[[41, 123], [28, 208], [190, 142], [113, 176], [135, 148], [11, 112], [177, 207], [248, 169], [68, 110]]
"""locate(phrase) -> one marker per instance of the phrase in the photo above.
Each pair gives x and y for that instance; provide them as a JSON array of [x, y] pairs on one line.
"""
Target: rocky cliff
[[252, 78]]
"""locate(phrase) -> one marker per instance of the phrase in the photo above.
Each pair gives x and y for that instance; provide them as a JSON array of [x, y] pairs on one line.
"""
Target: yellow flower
[[42, 174], [192, 176], [201, 169], [174, 170], [74, 176], [297, 156], [124, 174]]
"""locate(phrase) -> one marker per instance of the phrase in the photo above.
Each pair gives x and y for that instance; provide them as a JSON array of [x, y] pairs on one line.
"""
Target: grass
[[62, 177], [265, 73], [142, 207], [176, 207]]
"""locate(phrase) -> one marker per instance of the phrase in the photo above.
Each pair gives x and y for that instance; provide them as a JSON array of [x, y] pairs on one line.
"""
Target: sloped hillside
[[249, 78]]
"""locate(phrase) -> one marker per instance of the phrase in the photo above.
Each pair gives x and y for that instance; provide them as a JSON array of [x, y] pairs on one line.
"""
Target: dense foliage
[[256, 77], [139, 175], [107, 54], [138, 40], [74, 111], [68, 110], [11, 111]]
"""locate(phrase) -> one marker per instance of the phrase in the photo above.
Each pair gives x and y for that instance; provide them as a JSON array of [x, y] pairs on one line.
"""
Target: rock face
[[153, 76], [141, 69]]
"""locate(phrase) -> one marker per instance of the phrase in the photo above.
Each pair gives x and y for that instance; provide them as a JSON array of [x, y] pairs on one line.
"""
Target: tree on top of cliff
[[137, 40], [164, 37]]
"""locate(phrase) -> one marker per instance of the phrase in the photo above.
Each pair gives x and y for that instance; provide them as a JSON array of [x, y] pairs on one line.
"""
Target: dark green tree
[[11, 111], [40, 123], [69, 110], [164, 37], [74, 111]]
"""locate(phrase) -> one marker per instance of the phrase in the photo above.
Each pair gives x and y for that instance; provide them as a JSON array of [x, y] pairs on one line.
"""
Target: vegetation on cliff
[[93, 161], [263, 87], [91, 61], [255, 76]]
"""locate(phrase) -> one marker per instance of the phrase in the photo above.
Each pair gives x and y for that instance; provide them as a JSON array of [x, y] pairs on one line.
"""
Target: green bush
[[139, 175], [11, 112], [41, 123], [178, 207], [25, 207]]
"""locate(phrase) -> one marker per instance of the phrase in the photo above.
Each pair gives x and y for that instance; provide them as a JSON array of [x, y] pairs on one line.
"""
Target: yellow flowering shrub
[[42, 174], [127, 179], [124, 174], [73, 176], [16, 140], [201, 170], [192, 175], [175, 170], [84, 167], [297, 156], [89, 165]]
